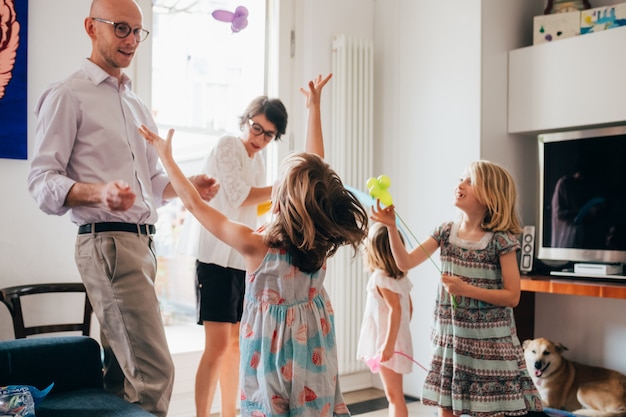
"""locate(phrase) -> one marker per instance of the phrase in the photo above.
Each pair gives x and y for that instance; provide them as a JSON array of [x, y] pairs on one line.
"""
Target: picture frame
[[13, 79]]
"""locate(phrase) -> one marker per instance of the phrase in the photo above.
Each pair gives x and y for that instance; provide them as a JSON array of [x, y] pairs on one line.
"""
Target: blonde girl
[[477, 365]]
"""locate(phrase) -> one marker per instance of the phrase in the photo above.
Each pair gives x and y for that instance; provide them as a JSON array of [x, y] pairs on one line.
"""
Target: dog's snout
[[538, 365]]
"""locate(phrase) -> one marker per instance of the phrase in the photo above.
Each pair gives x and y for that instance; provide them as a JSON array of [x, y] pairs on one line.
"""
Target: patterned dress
[[478, 365], [287, 341]]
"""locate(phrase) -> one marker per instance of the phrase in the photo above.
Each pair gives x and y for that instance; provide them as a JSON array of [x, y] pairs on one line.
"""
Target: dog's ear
[[525, 343], [560, 348]]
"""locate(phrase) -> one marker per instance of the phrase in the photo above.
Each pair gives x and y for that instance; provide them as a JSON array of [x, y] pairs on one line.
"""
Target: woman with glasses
[[238, 164]]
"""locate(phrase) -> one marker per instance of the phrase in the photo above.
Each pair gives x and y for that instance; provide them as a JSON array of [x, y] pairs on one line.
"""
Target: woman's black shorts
[[219, 293]]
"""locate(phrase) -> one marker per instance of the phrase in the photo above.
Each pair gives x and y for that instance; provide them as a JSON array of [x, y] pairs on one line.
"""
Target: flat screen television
[[583, 196]]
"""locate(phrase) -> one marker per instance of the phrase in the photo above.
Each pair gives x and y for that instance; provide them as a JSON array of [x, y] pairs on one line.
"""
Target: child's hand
[[386, 216], [453, 284], [315, 90], [163, 146], [386, 353]]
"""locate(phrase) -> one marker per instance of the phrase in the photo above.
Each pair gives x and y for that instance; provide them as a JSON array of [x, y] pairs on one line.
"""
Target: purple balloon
[[239, 23], [241, 11], [223, 15], [238, 19]]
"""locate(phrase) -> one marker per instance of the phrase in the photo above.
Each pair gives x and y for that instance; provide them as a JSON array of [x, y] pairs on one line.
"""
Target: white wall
[[512, 22], [316, 23]]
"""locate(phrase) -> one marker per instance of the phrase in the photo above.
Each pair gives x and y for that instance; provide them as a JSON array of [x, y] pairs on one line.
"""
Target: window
[[203, 77]]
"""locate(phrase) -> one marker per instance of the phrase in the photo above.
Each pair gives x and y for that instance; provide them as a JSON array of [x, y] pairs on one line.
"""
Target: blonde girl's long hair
[[495, 188], [378, 253], [315, 213]]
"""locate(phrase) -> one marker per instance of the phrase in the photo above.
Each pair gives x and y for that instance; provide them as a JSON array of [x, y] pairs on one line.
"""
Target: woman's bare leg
[[229, 375], [216, 344]]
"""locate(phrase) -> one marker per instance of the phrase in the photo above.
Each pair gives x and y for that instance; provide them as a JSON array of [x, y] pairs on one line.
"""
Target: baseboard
[[358, 381]]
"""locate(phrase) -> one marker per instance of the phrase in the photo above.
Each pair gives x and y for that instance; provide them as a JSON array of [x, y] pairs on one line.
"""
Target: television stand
[[533, 284]]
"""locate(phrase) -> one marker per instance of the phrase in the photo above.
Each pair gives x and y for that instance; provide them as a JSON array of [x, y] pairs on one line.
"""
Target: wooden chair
[[12, 296]]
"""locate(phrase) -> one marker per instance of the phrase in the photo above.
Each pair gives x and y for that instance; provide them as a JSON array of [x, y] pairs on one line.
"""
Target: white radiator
[[351, 155]]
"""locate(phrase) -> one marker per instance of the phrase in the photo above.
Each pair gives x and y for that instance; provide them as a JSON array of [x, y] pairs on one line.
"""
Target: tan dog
[[574, 387]]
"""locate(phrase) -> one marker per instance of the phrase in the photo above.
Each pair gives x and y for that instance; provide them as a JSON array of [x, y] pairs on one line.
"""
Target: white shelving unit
[[570, 83]]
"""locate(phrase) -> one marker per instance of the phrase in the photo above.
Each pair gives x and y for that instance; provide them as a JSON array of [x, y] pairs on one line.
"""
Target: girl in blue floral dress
[[478, 365], [288, 353]]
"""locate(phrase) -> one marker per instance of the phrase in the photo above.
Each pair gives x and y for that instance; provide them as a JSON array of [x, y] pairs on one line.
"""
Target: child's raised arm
[[237, 235], [404, 259], [314, 137]]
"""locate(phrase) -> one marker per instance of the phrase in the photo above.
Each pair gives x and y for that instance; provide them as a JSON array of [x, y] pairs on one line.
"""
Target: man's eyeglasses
[[257, 130], [122, 30]]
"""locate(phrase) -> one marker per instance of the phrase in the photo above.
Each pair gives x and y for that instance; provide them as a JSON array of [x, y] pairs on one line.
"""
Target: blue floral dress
[[288, 352], [478, 365]]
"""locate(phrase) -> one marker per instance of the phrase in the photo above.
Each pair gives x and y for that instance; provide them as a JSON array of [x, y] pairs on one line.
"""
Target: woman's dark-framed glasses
[[122, 29], [257, 130]]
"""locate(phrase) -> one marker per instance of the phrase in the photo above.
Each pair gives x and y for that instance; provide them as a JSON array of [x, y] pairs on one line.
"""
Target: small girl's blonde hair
[[378, 253], [495, 188]]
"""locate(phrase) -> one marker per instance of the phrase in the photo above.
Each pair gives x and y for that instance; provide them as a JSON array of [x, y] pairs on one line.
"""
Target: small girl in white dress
[[385, 327]]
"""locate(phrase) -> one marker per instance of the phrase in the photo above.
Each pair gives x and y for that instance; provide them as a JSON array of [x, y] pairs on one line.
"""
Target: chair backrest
[[11, 297]]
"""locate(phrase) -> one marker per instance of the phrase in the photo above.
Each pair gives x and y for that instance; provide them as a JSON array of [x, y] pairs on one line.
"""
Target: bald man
[[91, 162]]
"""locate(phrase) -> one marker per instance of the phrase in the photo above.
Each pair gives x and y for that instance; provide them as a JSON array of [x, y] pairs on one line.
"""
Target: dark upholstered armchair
[[74, 364]]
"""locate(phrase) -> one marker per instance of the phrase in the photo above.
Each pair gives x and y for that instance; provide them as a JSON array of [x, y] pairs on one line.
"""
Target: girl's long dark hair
[[316, 214]]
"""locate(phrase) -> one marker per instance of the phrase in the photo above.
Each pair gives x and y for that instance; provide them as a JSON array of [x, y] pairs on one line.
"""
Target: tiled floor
[[416, 409]]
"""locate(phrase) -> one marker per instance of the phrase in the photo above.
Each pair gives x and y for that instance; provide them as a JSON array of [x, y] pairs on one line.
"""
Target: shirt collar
[[98, 75]]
